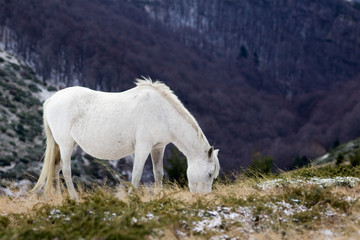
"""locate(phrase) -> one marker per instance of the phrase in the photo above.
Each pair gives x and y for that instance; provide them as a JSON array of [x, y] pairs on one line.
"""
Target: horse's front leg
[[142, 151], [158, 169]]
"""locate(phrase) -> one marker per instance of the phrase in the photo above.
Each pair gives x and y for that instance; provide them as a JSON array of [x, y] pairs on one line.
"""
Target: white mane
[[169, 95]]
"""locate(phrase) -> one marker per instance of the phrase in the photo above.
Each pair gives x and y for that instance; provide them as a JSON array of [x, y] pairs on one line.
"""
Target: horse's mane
[[168, 94]]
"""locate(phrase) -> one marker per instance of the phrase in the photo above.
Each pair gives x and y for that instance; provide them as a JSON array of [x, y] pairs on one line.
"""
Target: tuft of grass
[[326, 171], [355, 158]]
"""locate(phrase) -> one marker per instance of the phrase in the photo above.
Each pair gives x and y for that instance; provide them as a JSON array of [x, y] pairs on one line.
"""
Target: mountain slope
[[245, 102], [21, 143], [347, 150], [295, 46]]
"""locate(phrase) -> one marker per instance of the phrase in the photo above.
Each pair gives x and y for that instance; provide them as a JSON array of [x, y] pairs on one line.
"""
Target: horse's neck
[[189, 142]]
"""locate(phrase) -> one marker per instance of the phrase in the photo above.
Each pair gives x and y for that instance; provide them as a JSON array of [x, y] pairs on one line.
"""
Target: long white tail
[[52, 156]]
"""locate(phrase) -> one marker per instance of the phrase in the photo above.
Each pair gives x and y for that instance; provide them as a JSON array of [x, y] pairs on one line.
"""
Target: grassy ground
[[314, 203]]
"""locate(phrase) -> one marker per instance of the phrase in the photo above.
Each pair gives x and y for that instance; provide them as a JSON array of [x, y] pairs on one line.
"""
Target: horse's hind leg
[[57, 176], [65, 153], [157, 160]]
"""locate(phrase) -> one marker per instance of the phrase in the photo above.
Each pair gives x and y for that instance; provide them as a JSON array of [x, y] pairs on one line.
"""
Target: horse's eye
[[210, 175]]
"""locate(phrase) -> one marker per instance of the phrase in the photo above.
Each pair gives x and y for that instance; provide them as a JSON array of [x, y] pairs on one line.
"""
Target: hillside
[[21, 142], [347, 150], [278, 101], [288, 47]]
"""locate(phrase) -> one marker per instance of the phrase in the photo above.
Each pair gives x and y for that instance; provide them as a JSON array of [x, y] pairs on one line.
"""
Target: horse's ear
[[216, 152], [210, 152]]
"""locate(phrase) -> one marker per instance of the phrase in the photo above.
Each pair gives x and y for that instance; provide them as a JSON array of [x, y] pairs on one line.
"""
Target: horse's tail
[[52, 156]]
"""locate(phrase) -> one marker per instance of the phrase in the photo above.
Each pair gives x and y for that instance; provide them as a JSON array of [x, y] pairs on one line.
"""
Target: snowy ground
[[322, 182], [9, 58]]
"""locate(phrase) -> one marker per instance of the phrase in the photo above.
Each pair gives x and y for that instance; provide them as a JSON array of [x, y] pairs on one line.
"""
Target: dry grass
[[25, 204], [330, 212]]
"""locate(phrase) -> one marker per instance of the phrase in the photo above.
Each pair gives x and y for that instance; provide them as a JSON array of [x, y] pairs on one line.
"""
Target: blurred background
[[263, 78]]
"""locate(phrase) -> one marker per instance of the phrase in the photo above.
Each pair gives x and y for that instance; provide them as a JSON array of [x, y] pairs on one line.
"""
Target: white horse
[[110, 126]]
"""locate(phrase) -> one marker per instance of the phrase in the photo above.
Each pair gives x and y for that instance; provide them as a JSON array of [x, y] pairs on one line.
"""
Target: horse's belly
[[107, 152], [104, 144]]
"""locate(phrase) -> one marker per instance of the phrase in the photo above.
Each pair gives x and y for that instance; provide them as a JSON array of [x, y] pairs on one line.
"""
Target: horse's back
[[66, 98], [106, 125]]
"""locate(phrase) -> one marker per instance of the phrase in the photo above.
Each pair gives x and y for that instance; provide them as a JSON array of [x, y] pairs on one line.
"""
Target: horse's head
[[202, 172]]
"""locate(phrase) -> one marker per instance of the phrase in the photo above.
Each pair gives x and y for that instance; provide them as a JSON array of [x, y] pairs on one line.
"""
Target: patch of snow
[[215, 218], [328, 234], [23, 187], [287, 208], [329, 213], [207, 224], [7, 191], [9, 58], [6, 168], [180, 233], [248, 217], [20, 188], [57, 214], [113, 163], [323, 182], [109, 216], [55, 211], [44, 94], [223, 237], [150, 216], [323, 157]]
